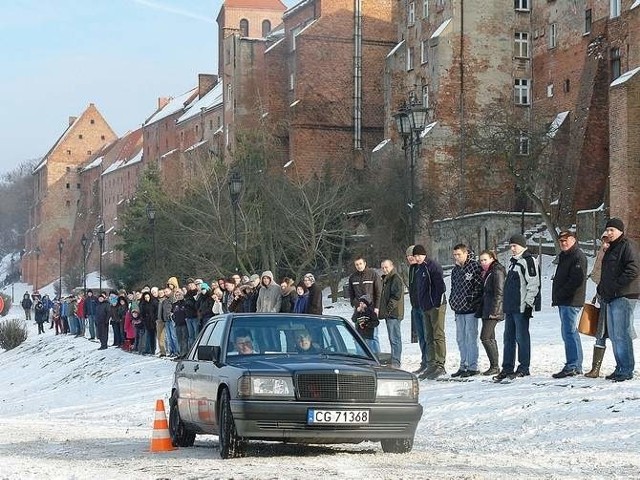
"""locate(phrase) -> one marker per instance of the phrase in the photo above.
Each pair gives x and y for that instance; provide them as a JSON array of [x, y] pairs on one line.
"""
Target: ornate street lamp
[[151, 216], [101, 242], [410, 121], [60, 248], [38, 252], [235, 190], [83, 241]]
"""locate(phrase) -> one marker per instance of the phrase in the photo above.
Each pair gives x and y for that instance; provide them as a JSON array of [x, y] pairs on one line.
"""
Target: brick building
[[57, 187]]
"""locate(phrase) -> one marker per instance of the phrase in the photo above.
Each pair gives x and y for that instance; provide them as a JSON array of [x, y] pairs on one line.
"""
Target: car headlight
[[255, 386], [405, 388]]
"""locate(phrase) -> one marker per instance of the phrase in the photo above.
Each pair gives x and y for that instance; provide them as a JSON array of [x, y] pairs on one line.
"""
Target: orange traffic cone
[[160, 438]]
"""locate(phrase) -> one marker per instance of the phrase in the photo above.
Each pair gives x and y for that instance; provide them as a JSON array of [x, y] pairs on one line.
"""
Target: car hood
[[292, 365]]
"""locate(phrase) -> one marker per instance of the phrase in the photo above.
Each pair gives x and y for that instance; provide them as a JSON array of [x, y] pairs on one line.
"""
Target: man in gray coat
[[270, 295]]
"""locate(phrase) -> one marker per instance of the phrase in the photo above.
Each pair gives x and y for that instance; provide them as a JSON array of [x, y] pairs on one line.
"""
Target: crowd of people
[[167, 320]]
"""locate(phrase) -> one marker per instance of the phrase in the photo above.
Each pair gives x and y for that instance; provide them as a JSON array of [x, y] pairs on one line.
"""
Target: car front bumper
[[287, 421]]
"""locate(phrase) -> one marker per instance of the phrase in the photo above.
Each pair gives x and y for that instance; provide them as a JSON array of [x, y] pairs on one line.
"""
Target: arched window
[[244, 27], [266, 28]]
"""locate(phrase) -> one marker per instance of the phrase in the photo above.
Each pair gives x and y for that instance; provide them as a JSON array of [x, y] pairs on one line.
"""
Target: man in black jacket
[[619, 290], [567, 293], [366, 281]]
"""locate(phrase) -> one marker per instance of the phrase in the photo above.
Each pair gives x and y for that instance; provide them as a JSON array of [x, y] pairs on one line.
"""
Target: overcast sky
[[59, 56]]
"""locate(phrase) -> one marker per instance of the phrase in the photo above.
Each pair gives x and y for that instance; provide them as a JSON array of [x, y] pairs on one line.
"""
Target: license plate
[[348, 417]]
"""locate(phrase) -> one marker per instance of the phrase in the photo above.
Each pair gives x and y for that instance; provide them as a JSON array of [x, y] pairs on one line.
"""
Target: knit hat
[[366, 299], [518, 239], [205, 286], [419, 250], [190, 280], [615, 223], [409, 252]]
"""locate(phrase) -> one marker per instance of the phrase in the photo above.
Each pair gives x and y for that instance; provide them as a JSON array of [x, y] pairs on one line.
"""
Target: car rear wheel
[[397, 445], [181, 436], [231, 445]]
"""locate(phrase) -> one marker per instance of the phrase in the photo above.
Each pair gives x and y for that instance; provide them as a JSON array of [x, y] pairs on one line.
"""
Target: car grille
[[336, 387]]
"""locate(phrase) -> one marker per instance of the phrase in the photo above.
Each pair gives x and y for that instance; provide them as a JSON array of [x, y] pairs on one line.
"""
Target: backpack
[[531, 267]]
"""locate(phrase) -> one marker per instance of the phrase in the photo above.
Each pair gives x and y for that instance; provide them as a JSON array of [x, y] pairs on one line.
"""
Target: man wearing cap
[[568, 293], [427, 293], [521, 289], [619, 290]]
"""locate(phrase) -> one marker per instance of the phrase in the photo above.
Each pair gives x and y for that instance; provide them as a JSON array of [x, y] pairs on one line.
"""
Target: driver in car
[[304, 343], [243, 342]]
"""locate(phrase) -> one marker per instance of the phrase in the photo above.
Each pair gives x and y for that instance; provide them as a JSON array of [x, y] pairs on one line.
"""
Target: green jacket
[[392, 297]]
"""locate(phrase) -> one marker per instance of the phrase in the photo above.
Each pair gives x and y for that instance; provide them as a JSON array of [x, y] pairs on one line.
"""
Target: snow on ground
[[70, 411]]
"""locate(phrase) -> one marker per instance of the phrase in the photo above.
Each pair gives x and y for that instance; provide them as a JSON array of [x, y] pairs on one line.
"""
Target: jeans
[[571, 337], [516, 332], [171, 338], [375, 341], [620, 330], [373, 345], [193, 326], [183, 339], [467, 338], [91, 320], [417, 320], [395, 340]]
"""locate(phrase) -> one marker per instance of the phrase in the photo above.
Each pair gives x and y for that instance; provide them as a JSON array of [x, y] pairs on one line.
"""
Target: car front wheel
[[181, 436], [397, 445], [231, 445]]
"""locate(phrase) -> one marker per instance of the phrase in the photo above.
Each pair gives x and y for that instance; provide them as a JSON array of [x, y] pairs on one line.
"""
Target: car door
[[206, 380]]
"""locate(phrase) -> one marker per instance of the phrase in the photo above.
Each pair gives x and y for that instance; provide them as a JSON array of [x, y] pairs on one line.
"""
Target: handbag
[[588, 324]]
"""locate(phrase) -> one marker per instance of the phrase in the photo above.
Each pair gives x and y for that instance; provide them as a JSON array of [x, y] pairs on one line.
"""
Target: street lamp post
[[38, 251], [101, 242], [13, 280], [410, 121], [151, 216], [83, 241], [60, 247], [235, 189]]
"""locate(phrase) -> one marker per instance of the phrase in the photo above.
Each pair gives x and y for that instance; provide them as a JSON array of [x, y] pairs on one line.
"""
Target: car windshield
[[294, 335]]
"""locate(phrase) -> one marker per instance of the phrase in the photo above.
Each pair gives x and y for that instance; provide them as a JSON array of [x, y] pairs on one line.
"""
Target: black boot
[[491, 347]]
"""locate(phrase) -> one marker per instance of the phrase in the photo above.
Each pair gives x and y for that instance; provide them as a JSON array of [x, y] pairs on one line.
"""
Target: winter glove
[[528, 312]]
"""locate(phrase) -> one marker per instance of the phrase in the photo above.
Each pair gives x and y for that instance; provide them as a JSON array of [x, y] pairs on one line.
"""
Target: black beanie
[[419, 250], [615, 223], [518, 239]]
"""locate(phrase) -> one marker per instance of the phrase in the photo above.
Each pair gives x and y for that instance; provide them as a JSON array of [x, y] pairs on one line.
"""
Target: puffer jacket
[[492, 293]]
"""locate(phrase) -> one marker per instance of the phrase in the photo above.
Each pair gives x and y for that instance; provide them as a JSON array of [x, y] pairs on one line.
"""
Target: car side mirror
[[209, 352]]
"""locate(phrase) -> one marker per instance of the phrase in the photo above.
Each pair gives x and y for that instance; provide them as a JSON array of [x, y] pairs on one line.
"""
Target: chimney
[[162, 102], [72, 120], [206, 81]]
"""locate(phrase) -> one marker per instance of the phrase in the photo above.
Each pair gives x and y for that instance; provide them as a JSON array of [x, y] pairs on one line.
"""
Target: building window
[[68, 203], [587, 21], [229, 92], [523, 143], [210, 124], [614, 8], [78, 186], [424, 51], [266, 27], [92, 121], [68, 169], [411, 13], [425, 8], [553, 35], [101, 137], [68, 186], [196, 129], [244, 27], [521, 91], [68, 152], [409, 58], [616, 69], [522, 44], [80, 136], [425, 96], [550, 90], [566, 85], [522, 5], [292, 81]]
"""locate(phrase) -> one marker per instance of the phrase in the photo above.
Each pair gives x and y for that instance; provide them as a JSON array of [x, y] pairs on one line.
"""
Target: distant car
[[307, 379]]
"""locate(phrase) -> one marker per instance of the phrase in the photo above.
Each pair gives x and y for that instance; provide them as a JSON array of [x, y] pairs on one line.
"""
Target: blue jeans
[[620, 328], [373, 345], [170, 337], [395, 340], [91, 320], [571, 337], [417, 320], [516, 332], [467, 338], [193, 326]]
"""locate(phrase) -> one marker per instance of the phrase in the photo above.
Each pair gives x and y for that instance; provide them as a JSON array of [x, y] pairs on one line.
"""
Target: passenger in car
[[244, 342], [304, 343]]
